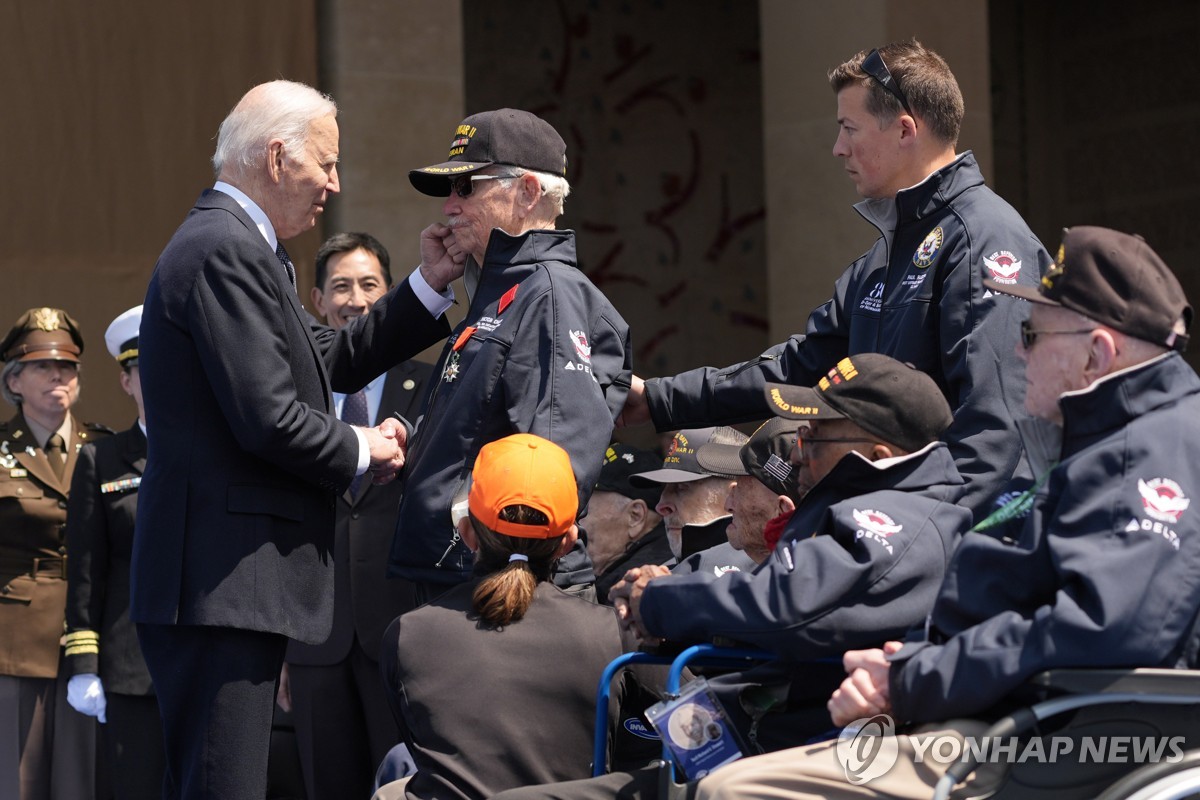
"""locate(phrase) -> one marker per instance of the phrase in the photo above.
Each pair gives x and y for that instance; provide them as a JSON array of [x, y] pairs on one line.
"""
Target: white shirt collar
[[250, 207]]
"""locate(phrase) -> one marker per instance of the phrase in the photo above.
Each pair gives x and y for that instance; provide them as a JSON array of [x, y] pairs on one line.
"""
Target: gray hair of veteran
[[554, 187], [14, 368], [276, 110]]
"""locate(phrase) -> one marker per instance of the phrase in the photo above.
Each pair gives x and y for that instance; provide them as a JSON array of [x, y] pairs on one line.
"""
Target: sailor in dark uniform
[[109, 679]]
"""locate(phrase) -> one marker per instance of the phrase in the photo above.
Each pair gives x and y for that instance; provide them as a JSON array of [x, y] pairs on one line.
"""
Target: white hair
[[554, 187], [276, 110]]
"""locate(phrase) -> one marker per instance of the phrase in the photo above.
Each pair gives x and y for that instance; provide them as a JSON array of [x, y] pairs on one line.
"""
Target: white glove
[[85, 693]]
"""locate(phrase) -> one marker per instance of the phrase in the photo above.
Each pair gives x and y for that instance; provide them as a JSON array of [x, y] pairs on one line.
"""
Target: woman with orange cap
[[494, 682]]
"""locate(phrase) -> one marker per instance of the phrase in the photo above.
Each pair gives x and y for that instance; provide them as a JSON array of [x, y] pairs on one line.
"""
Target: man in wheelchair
[[859, 562], [1096, 565]]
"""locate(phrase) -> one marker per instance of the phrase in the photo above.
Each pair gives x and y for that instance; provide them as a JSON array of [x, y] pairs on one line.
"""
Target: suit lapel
[[302, 317], [217, 199]]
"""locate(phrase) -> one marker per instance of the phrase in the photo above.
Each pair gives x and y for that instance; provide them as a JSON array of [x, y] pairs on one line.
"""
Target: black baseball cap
[[1115, 279], [622, 461], [766, 456], [507, 136], [680, 464], [894, 401]]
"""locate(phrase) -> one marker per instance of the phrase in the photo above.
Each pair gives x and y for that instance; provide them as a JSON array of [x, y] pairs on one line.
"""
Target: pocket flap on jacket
[[266, 500], [19, 589]]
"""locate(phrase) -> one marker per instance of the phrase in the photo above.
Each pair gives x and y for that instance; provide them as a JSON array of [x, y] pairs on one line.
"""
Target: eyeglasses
[[873, 65], [804, 439], [464, 185], [1029, 335]]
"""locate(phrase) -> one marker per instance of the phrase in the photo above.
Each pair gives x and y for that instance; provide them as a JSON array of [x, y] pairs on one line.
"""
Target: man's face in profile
[[306, 180]]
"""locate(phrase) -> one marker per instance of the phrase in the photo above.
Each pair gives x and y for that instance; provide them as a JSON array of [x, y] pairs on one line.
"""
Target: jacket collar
[[1115, 400], [528, 249], [927, 197], [855, 475], [21, 442]]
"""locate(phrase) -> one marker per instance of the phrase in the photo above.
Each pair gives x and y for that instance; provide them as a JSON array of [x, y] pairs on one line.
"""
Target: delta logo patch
[[1003, 266], [1164, 502], [877, 526], [582, 348], [1163, 499], [928, 248]]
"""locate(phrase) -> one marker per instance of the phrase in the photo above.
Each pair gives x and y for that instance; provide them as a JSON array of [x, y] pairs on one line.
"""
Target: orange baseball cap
[[528, 470]]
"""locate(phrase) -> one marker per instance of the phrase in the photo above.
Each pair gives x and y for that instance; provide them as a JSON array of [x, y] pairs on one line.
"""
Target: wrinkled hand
[[388, 444], [442, 259], [865, 692], [283, 695], [626, 596], [85, 693], [637, 409]]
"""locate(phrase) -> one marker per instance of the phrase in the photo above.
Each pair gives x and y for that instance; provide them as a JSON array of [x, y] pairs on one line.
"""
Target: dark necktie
[[56, 453], [282, 255], [354, 412]]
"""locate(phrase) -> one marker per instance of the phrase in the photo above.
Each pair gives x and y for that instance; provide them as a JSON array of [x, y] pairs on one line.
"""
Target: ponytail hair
[[506, 591]]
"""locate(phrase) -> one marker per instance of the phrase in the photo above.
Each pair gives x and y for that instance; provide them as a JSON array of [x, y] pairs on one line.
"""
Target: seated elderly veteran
[[622, 528], [1097, 566], [692, 504], [859, 562], [764, 497]]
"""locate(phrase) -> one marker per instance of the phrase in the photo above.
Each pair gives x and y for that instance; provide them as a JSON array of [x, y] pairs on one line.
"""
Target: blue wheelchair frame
[[700, 654]]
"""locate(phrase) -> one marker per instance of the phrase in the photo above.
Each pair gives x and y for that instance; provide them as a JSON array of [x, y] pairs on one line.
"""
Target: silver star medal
[[450, 372]]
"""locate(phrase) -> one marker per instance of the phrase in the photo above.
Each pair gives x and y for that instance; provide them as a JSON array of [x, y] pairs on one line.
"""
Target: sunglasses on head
[[464, 185], [873, 65]]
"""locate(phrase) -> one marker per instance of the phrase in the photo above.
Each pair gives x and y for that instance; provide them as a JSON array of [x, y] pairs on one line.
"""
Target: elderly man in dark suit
[[344, 726], [233, 549]]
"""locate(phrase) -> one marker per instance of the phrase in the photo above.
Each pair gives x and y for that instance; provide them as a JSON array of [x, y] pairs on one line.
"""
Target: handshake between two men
[[387, 443]]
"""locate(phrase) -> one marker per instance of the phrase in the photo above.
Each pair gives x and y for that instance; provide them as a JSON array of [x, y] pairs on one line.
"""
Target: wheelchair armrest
[[711, 655], [1129, 681], [1084, 687]]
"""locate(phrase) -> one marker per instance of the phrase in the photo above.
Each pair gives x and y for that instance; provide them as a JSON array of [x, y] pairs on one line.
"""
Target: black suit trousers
[[216, 693], [133, 742], [344, 726]]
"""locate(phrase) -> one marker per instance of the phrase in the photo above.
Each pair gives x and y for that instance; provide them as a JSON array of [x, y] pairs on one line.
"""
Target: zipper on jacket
[[754, 362]]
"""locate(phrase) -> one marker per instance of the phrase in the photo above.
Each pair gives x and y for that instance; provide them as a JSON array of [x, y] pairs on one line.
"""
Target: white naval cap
[[121, 338]]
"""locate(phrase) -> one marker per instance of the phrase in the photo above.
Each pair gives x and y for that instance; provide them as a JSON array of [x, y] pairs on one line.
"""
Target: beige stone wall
[[109, 123], [812, 233], [395, 69]]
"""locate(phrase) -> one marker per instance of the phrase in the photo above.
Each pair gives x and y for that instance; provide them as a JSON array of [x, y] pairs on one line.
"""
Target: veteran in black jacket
[[233, 544]]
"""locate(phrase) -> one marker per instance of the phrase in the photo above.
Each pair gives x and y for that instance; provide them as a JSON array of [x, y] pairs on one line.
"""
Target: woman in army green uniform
[[45, 746]]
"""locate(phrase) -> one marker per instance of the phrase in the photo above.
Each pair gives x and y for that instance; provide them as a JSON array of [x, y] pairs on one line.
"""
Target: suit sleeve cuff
[[436, 303]]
